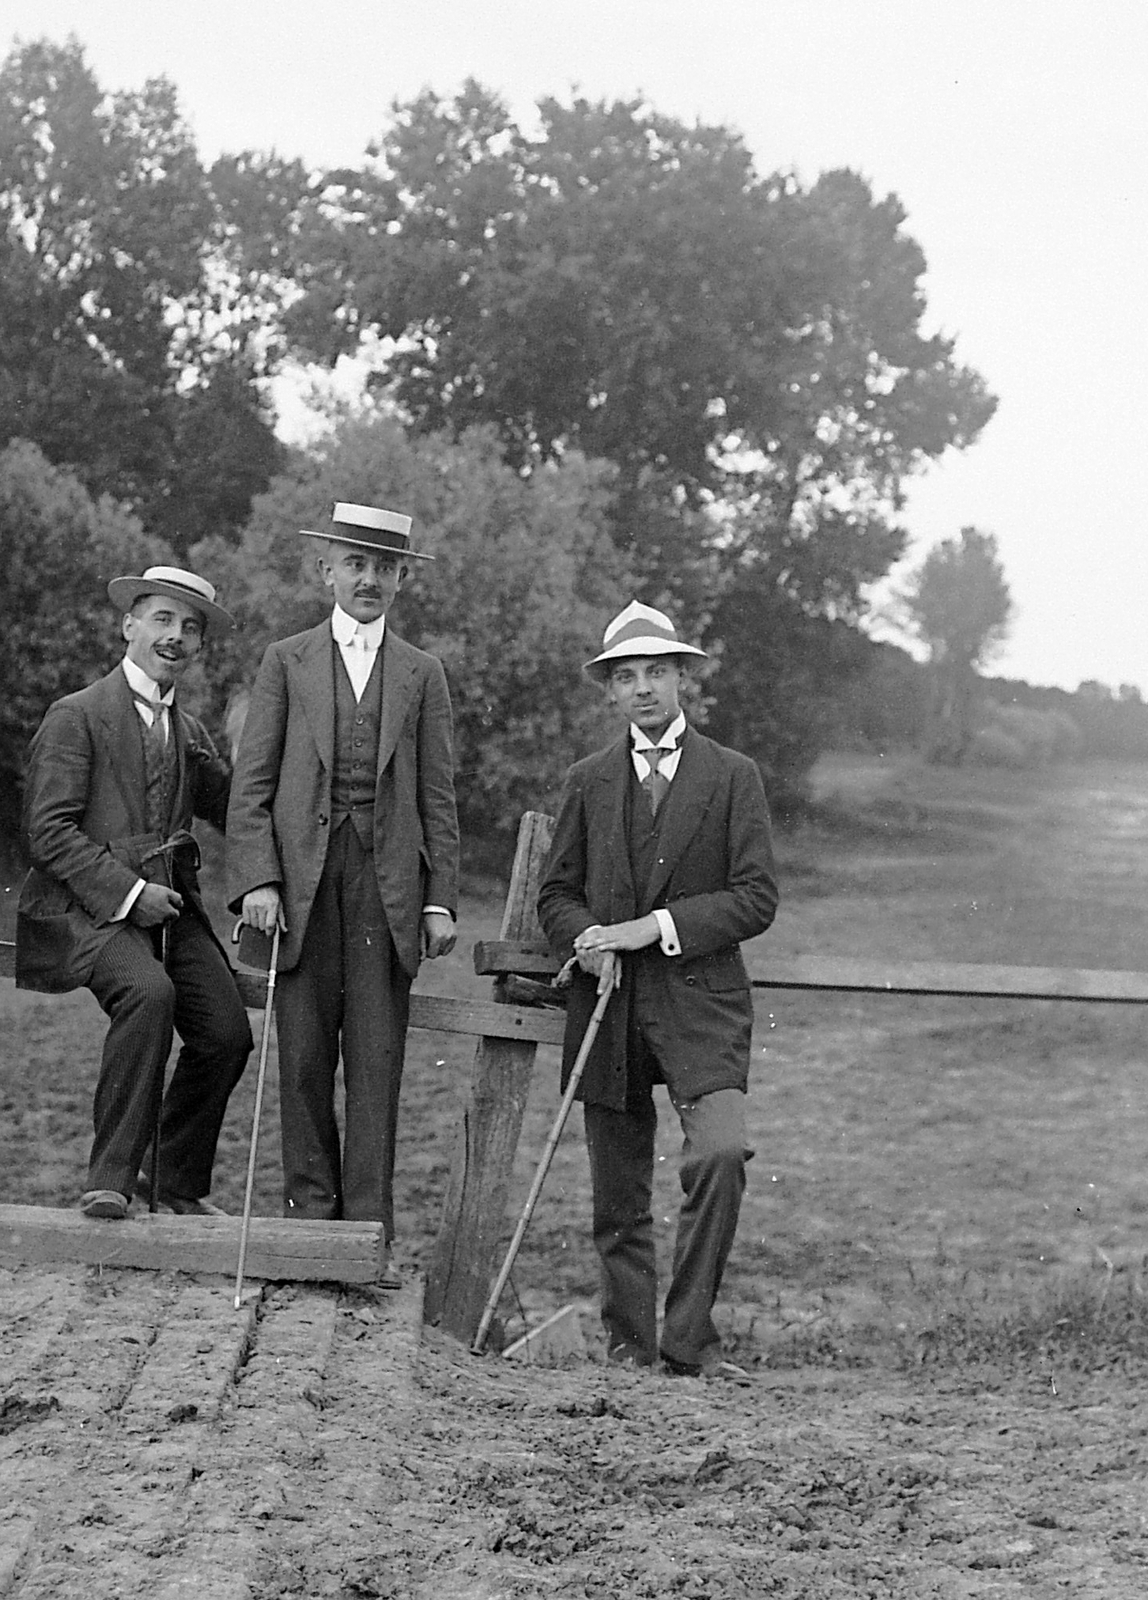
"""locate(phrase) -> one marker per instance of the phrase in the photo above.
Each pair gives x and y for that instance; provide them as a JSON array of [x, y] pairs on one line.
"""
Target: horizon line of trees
[[618, 360]]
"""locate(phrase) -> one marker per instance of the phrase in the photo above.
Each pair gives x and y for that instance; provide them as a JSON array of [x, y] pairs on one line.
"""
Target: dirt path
[[158, 1443]]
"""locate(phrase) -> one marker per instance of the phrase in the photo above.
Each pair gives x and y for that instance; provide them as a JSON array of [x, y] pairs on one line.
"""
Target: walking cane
[[263, 1043], [157, 1113], [607, 983]]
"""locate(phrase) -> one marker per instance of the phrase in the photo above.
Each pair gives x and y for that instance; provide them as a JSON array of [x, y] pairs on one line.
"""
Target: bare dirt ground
[[161, 1444], [938, 1291]]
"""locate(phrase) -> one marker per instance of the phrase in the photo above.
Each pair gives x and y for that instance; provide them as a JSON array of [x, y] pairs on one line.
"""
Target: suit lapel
[[314, 684], [400, 665], [606, 820], [686, 803], [123, 734]]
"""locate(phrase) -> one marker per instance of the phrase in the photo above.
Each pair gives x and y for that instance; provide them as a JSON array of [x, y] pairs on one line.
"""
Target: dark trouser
[[712, 1175], [196, 997], [349, 981]]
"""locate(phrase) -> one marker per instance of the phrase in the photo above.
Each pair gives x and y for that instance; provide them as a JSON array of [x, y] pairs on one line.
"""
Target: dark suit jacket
[[280, 814], [85, 827], [715, 876]]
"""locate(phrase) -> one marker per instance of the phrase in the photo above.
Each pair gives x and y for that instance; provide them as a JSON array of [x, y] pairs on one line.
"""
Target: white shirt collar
[[345, 628], [669, 740], [148, 688]]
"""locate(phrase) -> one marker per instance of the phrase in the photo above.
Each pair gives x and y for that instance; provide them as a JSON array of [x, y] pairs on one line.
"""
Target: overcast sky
[[1015, 133]]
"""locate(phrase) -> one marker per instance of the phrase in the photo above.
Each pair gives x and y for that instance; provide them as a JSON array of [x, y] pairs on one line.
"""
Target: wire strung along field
[[937, 1287]]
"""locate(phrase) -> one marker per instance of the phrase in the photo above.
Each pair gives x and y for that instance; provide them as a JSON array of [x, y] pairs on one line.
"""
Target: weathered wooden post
[[467, 1249]]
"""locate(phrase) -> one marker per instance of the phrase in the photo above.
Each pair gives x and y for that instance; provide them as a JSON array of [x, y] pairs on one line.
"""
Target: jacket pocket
[[722, 971]]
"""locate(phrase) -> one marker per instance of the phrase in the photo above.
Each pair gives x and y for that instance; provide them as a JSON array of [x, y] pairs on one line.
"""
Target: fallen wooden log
[[279, 1248]]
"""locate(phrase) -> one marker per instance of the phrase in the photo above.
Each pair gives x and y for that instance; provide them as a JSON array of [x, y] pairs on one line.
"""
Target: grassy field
[[919, 1161]]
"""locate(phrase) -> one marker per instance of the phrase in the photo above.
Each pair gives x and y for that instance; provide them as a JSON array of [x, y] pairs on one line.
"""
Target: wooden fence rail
[[966, 979]]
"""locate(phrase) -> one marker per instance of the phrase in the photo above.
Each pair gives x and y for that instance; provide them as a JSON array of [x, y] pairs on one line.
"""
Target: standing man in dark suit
[[117, 773], [662, 854], [343, 833]]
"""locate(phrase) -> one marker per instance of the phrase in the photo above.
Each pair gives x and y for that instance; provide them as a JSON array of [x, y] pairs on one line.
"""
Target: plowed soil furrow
[[165, 1435]]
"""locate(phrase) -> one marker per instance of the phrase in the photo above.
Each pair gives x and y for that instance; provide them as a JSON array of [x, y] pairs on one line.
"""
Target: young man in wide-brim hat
[[342, 832], [661, 854], [118, 773]]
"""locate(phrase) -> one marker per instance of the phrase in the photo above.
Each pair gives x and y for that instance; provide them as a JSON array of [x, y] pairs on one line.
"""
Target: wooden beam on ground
[[961, 979], [467, 1249], [277, 1248]]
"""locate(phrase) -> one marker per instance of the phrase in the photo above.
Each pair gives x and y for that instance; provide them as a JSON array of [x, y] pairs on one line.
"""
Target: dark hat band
[[646, 630], [373, 538], [194, 598]]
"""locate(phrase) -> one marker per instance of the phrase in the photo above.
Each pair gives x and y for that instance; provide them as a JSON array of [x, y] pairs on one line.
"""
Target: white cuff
[[441, 910], [128, 901], [671, 945]]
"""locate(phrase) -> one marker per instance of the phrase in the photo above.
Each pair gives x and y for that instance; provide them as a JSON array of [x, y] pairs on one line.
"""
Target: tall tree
[[630, 284], [120, 349], [748, 352], [58, 549], [958, 600]]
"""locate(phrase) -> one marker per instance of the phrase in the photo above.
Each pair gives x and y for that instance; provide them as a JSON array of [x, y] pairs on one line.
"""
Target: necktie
[[655, 783], [155, 732], [360, 664]]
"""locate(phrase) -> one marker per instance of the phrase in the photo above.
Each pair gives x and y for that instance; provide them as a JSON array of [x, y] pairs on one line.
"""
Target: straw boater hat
[[638, 631], [372, 528], [186, 586]]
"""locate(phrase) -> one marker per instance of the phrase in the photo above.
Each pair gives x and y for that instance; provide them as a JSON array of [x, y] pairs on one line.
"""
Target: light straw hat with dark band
[[371, 528], [179, 585], [638, 631]]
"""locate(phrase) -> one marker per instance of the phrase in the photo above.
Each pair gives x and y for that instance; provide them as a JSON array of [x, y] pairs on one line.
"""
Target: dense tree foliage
[[746, 351], [629, 284], [58, 549], [524, 572], [629, 364], [129, 342]]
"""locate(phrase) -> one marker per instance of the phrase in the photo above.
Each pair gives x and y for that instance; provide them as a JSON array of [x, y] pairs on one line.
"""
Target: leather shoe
[[628, 1355], [107, 1205], [181, 1205], [712, 1366]]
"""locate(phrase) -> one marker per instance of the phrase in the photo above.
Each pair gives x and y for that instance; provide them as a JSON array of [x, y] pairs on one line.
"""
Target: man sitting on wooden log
[[661, 852], [118, 771], [342, 832]]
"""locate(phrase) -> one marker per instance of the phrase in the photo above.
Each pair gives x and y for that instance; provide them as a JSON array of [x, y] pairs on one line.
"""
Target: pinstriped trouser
[[349, 989], [195, 997]]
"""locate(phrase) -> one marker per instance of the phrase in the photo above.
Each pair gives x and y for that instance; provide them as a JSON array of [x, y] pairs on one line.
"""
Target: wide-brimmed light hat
[[193, 590], [638, 631], [372, 528]]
